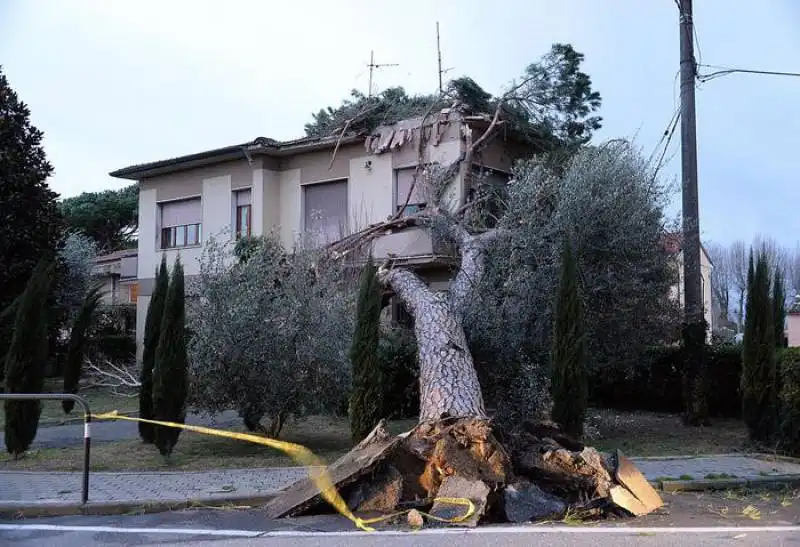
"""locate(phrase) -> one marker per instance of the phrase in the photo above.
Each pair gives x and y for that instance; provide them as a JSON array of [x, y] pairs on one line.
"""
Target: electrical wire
[[724, 71], [668, 134]]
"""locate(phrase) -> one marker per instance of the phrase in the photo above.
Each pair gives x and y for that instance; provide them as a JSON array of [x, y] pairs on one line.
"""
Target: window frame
[[169, 236], [412, 207], [248, 211]]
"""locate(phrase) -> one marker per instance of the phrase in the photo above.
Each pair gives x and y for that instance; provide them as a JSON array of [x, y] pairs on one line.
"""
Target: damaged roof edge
[[259, 146]]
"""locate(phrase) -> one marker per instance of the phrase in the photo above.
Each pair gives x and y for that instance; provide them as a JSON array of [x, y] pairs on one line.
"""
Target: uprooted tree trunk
[[537, 472]]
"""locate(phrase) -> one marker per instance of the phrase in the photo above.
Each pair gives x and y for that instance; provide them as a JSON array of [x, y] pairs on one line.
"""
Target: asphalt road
[[63, 436], [688, 520]]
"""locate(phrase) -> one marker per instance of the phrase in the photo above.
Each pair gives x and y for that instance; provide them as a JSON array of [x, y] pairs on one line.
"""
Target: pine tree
[[152, 331], [77, 345], [366, 400], [759, 397], [25, 360], [31, 224], [569, 375], [170, 380], [778, 306]]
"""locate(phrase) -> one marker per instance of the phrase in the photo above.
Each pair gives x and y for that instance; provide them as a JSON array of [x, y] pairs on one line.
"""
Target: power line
[[724, 71], [669, 132]]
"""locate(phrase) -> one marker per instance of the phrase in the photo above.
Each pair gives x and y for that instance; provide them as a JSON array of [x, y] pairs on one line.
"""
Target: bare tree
[[738, 256], [793, 270], [721, 279]]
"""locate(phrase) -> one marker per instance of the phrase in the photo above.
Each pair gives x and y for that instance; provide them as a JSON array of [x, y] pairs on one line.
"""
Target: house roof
[[673, 244], [378, 141], [258, 146]]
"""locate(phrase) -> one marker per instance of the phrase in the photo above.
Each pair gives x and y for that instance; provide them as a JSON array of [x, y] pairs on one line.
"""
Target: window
[[181, 223], [243, 214], [403, 179], [325, 212], [133, 292]]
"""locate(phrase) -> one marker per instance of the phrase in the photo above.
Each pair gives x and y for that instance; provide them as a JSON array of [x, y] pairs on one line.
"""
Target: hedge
[[655, 384], [789, 400]]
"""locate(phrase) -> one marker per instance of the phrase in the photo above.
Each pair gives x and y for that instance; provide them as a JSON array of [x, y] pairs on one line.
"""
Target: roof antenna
[[439, 55], [372, 66]]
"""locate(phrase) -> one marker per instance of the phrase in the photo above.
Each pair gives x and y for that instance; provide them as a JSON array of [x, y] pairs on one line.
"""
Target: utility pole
[[439, 54], [692, 281], [372, 66]]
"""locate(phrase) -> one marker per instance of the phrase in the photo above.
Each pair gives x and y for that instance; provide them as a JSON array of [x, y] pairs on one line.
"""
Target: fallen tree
[[530, 472]]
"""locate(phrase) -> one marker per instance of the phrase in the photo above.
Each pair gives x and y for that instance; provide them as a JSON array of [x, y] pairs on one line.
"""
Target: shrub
[[25, 360], [171, 365], [759, 397], [152, 334], [568, 374], [789, 401], [656, 383], [366, 399], [115, 347], [272, 333], [77, 345], [397, 355]]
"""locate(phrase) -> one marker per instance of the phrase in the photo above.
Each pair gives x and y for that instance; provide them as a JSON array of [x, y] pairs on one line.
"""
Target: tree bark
[[448, 381]]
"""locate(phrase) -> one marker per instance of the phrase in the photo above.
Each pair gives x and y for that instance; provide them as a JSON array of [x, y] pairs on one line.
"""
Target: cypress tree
[[25, 360], [778, 306], [170, 380], [758, 383], [366, 400], [152, 330], [568, 374], [77, 345]]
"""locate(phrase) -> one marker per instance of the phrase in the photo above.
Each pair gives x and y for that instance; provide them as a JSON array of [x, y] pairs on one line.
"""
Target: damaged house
[[314, 189]]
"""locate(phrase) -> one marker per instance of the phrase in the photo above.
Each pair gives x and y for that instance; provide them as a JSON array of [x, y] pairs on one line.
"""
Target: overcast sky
[[114, 83]]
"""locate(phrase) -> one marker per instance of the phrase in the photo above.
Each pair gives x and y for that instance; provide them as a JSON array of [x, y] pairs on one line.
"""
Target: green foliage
[[569, 377], [389, 106], [152, 335], [397, 357], [110, 217], [170, 374], [7, 317], [77, 345], [366, 399], [789, 400], [759, 397], [552, 110], [25, 360], [31, 225], [779, 307], [246, 246], [656, 383]]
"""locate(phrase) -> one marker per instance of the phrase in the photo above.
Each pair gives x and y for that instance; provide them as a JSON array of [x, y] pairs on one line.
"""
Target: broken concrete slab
[[382, 494], [526, 502], [621, 497], [635, 482], [458, 487]]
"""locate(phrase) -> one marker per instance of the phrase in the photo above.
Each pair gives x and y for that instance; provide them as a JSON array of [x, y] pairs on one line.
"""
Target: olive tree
[[270, 333]]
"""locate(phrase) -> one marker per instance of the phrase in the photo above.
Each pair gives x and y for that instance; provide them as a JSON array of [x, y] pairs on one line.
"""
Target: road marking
[[528, 529]]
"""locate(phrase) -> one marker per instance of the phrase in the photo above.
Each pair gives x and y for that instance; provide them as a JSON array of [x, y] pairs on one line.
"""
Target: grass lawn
[[327, 437], [636, 434], [652, 434], [100, 400]]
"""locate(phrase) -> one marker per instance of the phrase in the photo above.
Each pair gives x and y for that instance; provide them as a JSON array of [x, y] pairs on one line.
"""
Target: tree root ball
[[539, 473]]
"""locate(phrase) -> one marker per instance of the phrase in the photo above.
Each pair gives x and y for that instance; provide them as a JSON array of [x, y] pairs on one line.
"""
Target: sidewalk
[[34, 490]]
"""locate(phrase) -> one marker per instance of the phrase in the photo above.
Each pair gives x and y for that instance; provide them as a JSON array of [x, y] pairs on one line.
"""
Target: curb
[[19, 510], [705, 485]]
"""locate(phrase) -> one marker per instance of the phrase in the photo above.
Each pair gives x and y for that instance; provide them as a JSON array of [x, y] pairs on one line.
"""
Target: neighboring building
[[317, 187], [118, 272], [793, 323], [673, 245]]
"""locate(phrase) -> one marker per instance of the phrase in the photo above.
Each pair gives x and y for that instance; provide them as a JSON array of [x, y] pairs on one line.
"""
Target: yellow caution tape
[[318, 471]]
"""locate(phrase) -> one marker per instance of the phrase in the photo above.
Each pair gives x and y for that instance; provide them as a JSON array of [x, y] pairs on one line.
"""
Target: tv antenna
[[439, 55], [372, 66]]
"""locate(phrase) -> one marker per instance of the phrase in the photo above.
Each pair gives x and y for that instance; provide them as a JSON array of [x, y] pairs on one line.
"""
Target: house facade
[[793, 323], [316, 189], [673, 245], [118, 274]]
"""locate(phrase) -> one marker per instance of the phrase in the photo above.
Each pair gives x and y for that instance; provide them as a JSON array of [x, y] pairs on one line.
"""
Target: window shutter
[[325, 210], [404, 179], [180, 213]]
